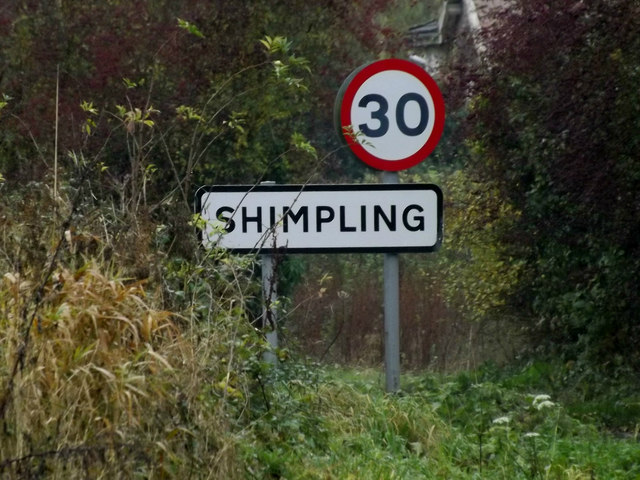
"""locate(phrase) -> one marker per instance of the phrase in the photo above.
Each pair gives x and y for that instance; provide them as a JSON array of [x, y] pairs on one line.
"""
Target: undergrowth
[[111, 367], [120, 369], [152, 368], [471, 425]]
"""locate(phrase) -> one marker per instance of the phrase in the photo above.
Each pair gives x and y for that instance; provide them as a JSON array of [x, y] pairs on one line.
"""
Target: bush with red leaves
[[94, 45], [553, 117]]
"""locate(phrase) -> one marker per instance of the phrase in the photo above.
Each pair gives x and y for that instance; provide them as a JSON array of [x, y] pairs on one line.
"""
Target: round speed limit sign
[[390, 113]]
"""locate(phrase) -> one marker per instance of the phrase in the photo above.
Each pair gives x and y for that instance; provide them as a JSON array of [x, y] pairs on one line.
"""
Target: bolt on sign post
[[390, 114]]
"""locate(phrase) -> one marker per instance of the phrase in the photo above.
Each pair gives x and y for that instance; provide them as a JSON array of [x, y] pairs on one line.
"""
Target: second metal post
[[391, 311]]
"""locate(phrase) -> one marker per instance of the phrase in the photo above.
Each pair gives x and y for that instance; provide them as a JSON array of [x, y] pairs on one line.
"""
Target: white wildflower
[[542, 401], [501, 420], [545, 404]]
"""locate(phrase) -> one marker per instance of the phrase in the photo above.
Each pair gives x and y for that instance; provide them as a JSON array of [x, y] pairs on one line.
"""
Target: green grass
[[337, 423]]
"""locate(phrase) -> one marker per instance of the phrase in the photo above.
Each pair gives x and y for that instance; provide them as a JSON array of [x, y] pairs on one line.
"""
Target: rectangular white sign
[[322, 218]]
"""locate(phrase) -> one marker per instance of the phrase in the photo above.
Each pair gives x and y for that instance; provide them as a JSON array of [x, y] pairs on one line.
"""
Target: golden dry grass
[[110, 386]]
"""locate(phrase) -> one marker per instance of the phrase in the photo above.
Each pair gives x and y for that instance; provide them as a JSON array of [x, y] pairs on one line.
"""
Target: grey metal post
[[391, 311], [269, 320], [269, 296]]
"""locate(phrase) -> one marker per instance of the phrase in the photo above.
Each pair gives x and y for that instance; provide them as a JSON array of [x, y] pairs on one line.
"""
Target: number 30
[[381, 115]]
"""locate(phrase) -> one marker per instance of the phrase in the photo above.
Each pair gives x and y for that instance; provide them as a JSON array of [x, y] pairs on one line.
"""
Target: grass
[[113, 387], [464, 426]]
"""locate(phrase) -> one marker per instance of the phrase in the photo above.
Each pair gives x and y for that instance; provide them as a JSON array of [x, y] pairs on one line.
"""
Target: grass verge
[[337, 423]]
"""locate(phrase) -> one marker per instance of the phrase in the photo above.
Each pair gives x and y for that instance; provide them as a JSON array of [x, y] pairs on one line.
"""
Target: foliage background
[[127, 350], [549, 126]]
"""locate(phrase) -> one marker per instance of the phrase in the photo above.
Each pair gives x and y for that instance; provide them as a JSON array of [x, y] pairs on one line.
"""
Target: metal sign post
[[269, 317], [269, 297], [391, 311]]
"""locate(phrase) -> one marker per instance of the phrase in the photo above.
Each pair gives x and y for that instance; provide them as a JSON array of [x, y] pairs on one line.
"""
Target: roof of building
[[454, 15]]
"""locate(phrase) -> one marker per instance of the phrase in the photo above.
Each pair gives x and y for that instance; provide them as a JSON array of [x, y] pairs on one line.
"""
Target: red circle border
[[356, 82]]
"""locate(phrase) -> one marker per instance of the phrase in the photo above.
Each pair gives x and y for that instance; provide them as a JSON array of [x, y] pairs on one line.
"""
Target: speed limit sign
[[390, 113]]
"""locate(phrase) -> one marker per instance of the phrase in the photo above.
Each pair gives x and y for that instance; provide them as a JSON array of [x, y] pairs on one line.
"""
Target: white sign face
[[322, 218], [391, 114]]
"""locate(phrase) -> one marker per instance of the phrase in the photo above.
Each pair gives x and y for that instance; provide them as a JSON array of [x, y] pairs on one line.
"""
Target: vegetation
[[482, 424], [130, 352], [197, 70], [547, 128]]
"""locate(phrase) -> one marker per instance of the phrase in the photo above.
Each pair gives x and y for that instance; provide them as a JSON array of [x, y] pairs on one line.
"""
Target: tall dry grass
[[98, 379], [109, 384]]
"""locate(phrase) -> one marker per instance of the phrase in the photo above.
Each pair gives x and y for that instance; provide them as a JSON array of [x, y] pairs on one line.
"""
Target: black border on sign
[[329, 188]]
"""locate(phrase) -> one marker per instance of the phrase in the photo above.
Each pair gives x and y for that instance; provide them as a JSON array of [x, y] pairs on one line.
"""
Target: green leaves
[[284, 69], [4, 101], [276, 44], [188, 113], [89, 123], [190, 28], [136, 116], [302, 144], [553, 131]]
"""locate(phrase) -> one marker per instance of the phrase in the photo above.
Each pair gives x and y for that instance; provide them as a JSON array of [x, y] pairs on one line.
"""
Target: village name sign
[[322, 218]]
